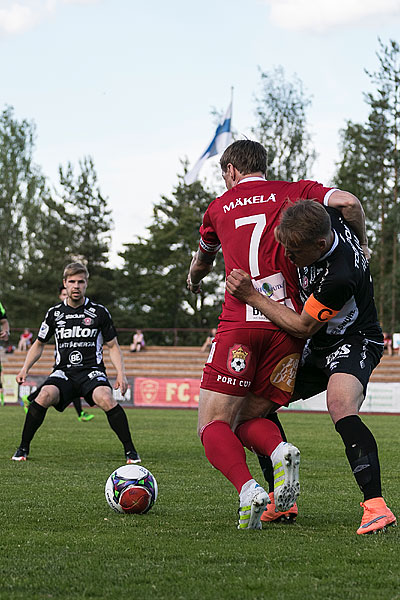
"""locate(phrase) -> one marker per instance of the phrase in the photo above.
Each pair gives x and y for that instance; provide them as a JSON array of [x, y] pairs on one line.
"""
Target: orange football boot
[[377, 516], [271, 515]]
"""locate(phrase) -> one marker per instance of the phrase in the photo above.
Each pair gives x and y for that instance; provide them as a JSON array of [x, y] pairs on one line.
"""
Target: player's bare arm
[[353, 212], [33, 355], [238, 283], [117, 360], [200, 266]]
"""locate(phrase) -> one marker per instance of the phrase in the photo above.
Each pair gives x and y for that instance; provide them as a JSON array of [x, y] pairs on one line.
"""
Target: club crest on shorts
[[238, 358]]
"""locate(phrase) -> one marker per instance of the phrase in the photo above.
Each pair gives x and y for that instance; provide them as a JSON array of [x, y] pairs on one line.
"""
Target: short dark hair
[[302, 223], [246, 156], [61, 288]]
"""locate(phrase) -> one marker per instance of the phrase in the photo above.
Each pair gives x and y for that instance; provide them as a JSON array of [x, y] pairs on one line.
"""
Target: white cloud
[[16, 17], [322, 15]]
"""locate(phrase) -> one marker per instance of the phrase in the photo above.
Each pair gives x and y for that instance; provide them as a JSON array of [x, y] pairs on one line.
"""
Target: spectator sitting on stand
[[138, 342], [25, 340], [206, 347], [387, 343]]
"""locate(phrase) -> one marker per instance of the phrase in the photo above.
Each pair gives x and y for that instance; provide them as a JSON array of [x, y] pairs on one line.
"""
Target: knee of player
[[343, 406], [103, 397], [47, 397]]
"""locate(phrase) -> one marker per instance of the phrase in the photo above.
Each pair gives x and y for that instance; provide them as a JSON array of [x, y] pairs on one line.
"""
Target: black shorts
[[75, 383], [354, 355]]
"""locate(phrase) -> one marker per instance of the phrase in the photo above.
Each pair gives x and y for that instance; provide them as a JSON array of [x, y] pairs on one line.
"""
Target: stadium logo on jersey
[[304, 282], [284, 374], [88, 321], [75, 358], [237, 357], [74, 316]]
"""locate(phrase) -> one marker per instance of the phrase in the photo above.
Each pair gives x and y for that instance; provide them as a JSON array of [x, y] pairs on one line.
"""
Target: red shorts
[[262, 361]]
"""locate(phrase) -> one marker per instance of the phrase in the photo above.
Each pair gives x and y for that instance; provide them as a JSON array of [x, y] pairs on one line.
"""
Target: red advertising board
[[162, 392]]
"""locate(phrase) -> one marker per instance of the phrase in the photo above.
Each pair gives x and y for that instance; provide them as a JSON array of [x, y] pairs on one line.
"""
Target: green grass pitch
[[59, 539]]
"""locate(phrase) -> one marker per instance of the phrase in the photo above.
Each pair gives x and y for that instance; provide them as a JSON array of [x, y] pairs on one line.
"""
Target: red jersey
[[242, 221]]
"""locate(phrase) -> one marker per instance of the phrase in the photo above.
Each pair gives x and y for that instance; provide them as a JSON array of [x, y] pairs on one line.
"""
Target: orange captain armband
[[319, 311]]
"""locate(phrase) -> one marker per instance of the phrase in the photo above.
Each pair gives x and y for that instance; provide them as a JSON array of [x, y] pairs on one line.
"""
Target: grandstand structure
[[169, 361]]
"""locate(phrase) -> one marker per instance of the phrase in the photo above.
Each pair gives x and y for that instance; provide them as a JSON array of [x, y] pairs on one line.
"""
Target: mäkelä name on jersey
[[251, 200]]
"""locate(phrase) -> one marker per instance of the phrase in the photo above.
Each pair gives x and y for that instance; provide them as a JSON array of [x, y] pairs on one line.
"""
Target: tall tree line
[[369, 167], [42, 229]]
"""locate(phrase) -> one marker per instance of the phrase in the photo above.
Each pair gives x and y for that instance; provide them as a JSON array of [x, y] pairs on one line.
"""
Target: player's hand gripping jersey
[[79, 334], [243, 221], [338, 289]]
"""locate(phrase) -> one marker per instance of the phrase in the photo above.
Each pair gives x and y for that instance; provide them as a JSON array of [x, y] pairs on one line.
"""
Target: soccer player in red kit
[[252, 365]]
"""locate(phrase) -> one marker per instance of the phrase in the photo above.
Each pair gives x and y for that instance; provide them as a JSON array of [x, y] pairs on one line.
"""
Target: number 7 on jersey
[[260, 222]]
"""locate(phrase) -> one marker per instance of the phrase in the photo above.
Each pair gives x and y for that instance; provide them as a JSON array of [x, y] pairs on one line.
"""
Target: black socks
[[34, 418], [362, 454], [265, 461], [119, 424]]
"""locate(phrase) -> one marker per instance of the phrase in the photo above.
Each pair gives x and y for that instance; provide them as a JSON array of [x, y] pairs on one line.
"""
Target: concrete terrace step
[[169, 361], [186, 362]]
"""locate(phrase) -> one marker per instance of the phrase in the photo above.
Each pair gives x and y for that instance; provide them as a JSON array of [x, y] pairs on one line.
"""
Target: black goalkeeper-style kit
[[79, 335]]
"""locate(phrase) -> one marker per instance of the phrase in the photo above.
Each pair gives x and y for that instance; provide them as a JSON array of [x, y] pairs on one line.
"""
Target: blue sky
[[133, 84]]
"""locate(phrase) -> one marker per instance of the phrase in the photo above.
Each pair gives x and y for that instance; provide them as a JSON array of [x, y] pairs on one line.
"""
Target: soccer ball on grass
[[131, 489]]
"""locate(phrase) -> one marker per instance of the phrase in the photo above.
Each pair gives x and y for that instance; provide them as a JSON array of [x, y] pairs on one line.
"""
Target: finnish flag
[[220, 141]]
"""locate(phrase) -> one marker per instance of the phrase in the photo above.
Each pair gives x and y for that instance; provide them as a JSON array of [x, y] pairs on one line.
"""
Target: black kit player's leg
[[119, 424], [33, 420], [78, 405], [362, 454], [265, 461]]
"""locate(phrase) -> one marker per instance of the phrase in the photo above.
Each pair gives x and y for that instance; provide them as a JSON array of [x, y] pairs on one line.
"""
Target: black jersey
[[338, 289], [79, 334]]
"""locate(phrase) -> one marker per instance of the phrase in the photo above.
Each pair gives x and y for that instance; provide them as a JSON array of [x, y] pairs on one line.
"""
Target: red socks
[[261, 436], [225, 452]]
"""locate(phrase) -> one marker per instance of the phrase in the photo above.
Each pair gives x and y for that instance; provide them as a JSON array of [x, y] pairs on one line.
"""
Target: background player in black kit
[[345, 339], [80, 329], [27, 399]]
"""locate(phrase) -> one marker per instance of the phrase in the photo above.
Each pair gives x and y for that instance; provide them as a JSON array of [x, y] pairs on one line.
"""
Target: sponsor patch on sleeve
[[43, 331], [319, 311]]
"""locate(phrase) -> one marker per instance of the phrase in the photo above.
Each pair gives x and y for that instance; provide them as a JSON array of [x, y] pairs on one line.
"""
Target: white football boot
[[286, 461]]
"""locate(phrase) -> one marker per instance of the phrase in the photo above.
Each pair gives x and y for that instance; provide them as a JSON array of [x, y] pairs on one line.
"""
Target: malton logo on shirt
[[237, 356]]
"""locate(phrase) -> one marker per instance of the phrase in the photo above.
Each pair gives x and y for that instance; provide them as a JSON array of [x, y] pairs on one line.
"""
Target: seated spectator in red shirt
[[25, 340]]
